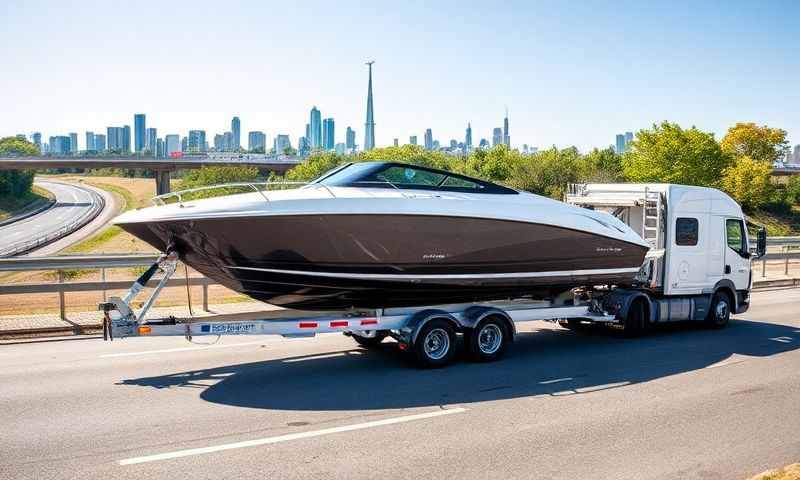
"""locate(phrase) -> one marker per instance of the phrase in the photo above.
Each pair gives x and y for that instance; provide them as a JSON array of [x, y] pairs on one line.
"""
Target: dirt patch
[[791, 472]]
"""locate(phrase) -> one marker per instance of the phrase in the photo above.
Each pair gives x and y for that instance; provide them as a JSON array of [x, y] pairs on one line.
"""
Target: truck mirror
[[761, 243]]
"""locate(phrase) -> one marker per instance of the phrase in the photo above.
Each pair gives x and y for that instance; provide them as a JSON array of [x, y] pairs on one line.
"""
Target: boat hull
[[324, 262]]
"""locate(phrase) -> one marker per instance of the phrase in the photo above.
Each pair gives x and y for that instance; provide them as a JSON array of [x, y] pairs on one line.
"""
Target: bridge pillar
[[162, 182]]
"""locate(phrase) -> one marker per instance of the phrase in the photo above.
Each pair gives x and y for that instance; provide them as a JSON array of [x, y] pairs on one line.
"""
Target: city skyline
[[562, 89]]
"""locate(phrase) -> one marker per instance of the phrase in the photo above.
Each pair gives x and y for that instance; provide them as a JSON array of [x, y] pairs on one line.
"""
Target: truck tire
[[720, 312], [488, 340], [636, 321], [371, 342], [435, 345]]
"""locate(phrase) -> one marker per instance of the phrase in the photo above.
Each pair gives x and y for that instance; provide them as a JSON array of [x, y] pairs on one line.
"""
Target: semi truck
[[697, 270]]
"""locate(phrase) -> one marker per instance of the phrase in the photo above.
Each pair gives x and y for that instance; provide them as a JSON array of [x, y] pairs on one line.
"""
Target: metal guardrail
[[28, 245], [66, 262]]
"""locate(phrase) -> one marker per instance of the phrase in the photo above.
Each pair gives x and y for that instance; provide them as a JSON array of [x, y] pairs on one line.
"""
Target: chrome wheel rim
[[490, 337], [436, 344], [722, 310]]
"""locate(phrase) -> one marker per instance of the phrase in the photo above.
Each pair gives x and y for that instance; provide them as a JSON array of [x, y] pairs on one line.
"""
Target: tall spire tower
[[369, 130], [506, 136]]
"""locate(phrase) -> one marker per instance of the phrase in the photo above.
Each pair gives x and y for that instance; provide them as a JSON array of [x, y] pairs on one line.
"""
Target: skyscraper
[[159, 152], [172, 144], [140, 128], [506, 136], [114, 138], [126, 139], [316, 128], [350, 139], [236, 133], [396, 142], [468, 139], [197, 141], [73, 143], [328, 134], [282, 143], [497, 136], [219, 143], [90, 141], [227, 142], [99, 142], [256, 141], [37, 140], [620, 145], [412, 139], [428, 139], [628, 139], [369, 126], [150, 140], [796, 154], [308, 131]]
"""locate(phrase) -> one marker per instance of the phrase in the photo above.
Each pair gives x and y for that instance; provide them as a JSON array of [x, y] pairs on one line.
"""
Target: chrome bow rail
[[254, 186]]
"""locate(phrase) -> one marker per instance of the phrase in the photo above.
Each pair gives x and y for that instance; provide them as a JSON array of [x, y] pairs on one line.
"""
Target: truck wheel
[[371, 342], [435, 345], [488, 340], [720, 311], [636, 320]]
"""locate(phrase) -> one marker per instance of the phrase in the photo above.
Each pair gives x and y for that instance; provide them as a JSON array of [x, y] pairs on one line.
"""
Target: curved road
[[72, 203]]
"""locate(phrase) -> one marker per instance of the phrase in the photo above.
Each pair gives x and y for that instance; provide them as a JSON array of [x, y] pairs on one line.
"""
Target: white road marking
[[180, 349], [555, 380], [289, 437]]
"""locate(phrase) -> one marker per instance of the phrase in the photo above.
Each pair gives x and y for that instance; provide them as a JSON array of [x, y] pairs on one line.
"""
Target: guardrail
[[28, 245]]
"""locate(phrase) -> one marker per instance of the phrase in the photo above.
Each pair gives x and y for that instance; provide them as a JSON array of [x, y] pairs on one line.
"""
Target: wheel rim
[[722, 311], [436, 344], [490, 337]]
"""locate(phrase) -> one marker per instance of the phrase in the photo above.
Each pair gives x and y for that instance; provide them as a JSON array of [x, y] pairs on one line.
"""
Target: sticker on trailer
[[228, 328]]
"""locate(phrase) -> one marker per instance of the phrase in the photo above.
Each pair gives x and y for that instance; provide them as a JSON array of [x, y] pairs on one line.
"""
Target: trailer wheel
[[636, 320], [435, 345], [720, 311], [371, 342], [488, 340]]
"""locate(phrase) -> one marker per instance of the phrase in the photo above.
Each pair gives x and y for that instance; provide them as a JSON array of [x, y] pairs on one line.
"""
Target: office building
[[126, 139], [468, 137], [61, 145], [227, 142], [113, 138], [428, 139], [328, 134], [303, 146], [99, 142], [197, 141], [281, 144], [150, 140], [256, 141], [140, 129], [350, 139], [620, 144], [340, 149], [412, 140], [506, 136], [236, 135], [497, 136], [483, 143], [185, 144], [316, 128], [73, 143], [90, 142], [219, 143], [396, 142], [628, 139], [369, 126], [36, 138], [172, 144], [796, 155], [160, 148]]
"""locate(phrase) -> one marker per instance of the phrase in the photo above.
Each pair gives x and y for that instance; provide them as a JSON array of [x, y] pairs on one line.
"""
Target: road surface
[[72, 203], [683, 403]]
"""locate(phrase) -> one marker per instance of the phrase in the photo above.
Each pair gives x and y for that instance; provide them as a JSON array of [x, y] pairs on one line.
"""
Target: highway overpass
[[161, 166]]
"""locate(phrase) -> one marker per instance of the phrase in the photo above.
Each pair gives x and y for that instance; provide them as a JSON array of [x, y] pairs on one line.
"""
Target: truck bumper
[[742, 301]]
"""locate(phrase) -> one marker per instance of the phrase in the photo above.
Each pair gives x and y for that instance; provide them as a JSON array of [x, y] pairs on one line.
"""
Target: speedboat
[[387, 234]]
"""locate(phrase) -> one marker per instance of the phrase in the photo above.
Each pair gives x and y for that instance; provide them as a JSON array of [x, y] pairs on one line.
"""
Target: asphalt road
[[683, 403], [72, 203]]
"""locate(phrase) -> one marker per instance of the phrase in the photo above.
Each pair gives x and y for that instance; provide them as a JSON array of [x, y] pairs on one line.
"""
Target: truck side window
[[686, 231], [734, 233]]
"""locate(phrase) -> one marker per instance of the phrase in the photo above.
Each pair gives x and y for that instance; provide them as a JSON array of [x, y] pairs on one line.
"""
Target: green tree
[[547, 172], [16, 183], [602, 166], [748, 182], [668, 153], [757, 142], [315, 165], [793, 189]]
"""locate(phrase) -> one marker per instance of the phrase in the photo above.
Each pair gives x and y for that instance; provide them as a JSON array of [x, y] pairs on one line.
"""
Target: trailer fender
[[619, 303], [410, 332], [474, 315]]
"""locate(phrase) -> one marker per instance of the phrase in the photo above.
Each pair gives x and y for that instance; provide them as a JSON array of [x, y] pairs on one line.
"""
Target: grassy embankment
[[10, 206], [779, 224]]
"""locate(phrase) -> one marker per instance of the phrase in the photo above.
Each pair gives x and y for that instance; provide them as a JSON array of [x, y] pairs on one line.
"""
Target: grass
[[790, 472], [10, 206], [779, 224]]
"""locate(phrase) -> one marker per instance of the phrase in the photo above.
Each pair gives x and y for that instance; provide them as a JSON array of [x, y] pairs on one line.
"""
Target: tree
[[671, 154], [748, 182], [603, 166], [16, 183], [207, 176], [759, 143], [547, 172]]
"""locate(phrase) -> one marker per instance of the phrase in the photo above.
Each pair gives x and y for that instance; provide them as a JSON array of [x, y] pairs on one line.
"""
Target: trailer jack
[[118, 315]]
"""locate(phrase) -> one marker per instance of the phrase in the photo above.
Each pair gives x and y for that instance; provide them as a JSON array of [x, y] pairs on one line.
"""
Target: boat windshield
[[402, 176]]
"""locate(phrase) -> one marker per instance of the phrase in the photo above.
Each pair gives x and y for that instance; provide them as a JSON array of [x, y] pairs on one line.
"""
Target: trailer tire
[[435, 345], [371, 342], [636, 320], [487, 342], [720, 312]]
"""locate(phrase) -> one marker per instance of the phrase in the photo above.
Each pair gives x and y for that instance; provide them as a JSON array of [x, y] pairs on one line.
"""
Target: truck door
[[737, 253]]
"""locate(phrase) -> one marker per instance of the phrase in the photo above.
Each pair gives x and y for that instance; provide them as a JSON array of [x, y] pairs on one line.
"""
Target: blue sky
[[571, 73]]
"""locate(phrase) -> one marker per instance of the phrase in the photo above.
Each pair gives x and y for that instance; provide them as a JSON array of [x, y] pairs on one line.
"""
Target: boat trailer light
[[144, 330]]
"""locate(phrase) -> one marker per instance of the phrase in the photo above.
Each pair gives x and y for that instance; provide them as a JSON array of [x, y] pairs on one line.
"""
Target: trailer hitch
[[118, 316]]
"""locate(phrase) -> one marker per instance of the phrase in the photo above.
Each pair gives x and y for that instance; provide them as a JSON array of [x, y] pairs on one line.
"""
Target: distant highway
[[72, 203]]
